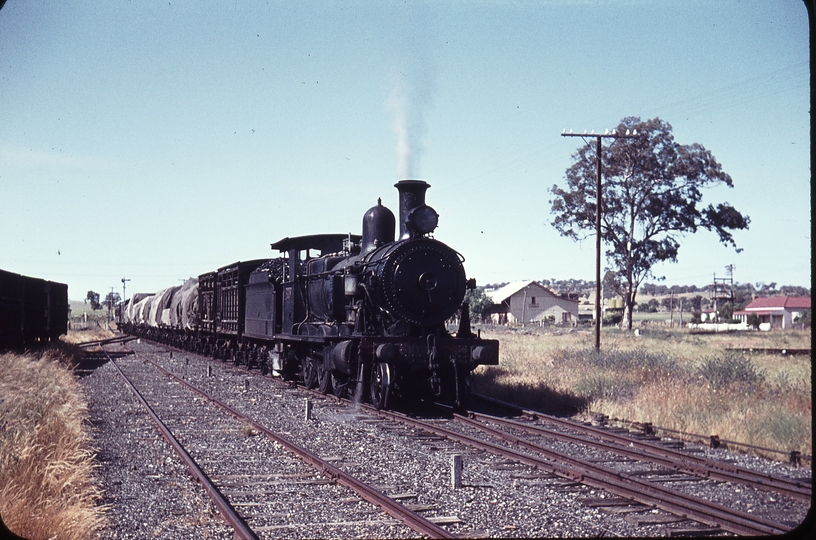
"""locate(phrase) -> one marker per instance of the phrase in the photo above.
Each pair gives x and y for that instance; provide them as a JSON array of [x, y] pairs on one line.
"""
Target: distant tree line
[[576, 288], [741, 290], [655, 289]]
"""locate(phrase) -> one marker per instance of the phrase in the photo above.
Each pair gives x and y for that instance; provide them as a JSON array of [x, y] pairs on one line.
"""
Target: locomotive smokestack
[[411, 195]]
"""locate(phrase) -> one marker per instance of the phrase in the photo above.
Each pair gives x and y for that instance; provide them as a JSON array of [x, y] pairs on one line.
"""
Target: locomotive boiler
[[346, 313]]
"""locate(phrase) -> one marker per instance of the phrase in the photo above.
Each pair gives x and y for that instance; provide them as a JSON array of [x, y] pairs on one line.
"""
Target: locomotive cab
[[308, 291]]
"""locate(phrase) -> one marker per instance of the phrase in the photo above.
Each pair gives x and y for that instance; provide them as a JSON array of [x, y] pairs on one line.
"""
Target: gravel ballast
[[150, 493]]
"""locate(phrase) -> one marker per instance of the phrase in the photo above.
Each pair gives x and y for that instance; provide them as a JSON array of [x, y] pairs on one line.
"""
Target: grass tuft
[[86, 335], [47, 485]]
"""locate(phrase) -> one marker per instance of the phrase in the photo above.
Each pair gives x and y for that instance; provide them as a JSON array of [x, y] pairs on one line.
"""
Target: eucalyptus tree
[[652, 196]]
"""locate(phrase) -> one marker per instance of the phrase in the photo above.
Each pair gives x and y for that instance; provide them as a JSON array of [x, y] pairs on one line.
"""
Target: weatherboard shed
[[529, 301]]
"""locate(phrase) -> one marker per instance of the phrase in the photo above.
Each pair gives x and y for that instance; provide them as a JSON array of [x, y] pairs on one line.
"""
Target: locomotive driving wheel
[[380, 385], [323, 378], [339, 381], [308, 372]]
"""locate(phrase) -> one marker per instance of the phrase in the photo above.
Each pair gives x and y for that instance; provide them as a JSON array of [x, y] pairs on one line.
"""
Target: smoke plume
[[413, 86]]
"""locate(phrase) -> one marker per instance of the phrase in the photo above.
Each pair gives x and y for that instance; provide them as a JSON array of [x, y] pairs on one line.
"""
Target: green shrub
[[731, 369], [619, 360]]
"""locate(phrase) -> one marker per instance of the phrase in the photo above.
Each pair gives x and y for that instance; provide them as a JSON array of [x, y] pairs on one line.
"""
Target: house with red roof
[[775, 311]]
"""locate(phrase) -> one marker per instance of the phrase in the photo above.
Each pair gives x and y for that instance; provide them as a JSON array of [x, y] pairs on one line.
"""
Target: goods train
[[339, 312], [33, 311]]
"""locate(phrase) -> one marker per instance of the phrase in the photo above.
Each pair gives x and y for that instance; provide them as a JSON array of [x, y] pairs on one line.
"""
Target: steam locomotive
[[339, 312]]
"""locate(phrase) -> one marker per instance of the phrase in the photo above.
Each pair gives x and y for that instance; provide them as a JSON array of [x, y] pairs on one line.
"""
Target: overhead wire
[[785, 79]]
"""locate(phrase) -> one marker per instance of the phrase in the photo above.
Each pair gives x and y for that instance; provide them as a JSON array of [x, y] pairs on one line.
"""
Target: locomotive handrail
[[459, 255]]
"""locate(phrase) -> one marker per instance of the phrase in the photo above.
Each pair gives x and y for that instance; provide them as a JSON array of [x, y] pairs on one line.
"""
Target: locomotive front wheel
[[308, 372], [324, 383], [380, 385]]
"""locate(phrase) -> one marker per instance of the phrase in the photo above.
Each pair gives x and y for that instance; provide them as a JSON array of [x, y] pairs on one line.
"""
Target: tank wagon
[[338, 312], [33, 311]]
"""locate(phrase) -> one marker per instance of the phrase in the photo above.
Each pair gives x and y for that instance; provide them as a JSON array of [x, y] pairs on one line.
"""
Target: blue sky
[[160, 140]]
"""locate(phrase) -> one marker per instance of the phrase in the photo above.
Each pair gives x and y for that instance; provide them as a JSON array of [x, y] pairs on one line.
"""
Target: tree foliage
[[93, 298], [754, 321], [652, 195], [478, 302], [111, 300], [613, 285]]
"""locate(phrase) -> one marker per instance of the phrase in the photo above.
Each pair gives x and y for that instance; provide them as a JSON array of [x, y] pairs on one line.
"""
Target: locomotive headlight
[[423, 219]]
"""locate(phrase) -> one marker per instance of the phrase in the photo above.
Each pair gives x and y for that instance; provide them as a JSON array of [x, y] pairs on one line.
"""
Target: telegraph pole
[[598, 210]]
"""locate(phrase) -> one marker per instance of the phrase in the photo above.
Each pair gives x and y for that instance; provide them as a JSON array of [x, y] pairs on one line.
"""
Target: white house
[[775, 311], [529, 301]]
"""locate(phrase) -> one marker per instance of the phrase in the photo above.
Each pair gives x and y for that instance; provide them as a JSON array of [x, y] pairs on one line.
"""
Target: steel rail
[[650, 493], [694, 508], [107, 341], [393, 508], [229, 514], [679, 461], [614, 482]]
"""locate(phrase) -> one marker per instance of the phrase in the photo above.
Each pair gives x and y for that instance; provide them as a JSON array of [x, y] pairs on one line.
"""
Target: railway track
[[322, 468], [229, 514], [626, 486], [646, 448], [520, 442]]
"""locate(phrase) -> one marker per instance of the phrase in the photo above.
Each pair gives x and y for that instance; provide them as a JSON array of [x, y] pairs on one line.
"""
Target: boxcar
[[32, 310]]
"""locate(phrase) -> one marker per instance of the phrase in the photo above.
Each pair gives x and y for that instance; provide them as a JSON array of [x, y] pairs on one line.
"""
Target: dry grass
[[47, 488], [674, 379], [84, 336]]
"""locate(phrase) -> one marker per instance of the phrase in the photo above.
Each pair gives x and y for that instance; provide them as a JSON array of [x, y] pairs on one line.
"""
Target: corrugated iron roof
[[779, 302], [500, 295]]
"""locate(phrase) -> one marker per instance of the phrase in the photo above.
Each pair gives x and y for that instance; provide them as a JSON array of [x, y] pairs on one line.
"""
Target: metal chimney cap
[[412, 183]]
